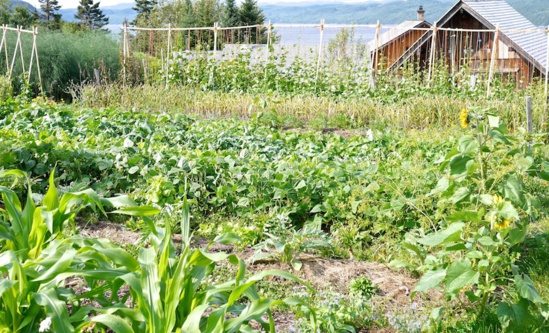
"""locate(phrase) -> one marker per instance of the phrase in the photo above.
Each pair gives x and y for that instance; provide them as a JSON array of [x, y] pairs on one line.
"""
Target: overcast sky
[[74, 3]]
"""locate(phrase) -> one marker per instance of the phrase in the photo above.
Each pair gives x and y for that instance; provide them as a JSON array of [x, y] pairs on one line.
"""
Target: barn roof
[[492, 13], [395, 32]]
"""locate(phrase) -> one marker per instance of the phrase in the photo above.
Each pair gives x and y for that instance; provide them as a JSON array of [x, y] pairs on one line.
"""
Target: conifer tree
[[50, 12], [90, 15], [231, 17], [251, 14], [189, 19], [144, 9]]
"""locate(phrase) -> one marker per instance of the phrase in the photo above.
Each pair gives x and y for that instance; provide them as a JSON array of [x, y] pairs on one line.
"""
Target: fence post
[[216, 24], [38, 61], [4, 44], [32, 55], [493, 61], [124, 52], [433, 53], [268, 40], [168, 52], [376, 54], [320, 49], [547, 68], [529, 121]]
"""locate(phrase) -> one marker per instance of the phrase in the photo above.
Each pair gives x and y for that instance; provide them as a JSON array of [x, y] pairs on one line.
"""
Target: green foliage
[[50, 13], [363, 287], [143, 9], [285, 244], [169, 293], [231, 16], [6, 89], [72, 58], [484, 213], [89, 14]]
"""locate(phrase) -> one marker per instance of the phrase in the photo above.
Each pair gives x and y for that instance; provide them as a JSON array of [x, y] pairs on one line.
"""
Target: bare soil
[[322, 273]]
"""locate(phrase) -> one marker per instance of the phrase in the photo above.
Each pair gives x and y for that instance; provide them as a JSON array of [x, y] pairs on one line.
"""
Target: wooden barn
[[477, 36], [391, 45]]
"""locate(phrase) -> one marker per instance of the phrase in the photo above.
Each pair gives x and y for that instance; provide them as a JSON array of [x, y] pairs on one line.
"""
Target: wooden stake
[[529, 122], [3, 43], [124, 53], [433, 53], [15, 53], [493, 60], [268, 40], [215, 39], [547, 68], [32, 54], [376, 54], [168, 51], [38, 62], [320, 48]]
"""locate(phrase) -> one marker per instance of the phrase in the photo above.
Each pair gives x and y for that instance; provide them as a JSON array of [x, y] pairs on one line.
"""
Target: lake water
[[306, 34]]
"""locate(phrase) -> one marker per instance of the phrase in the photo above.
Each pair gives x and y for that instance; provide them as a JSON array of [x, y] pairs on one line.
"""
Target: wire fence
[[476, 55]]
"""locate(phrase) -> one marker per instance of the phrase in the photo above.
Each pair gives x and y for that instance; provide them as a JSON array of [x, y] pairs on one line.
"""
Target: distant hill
[[22, 3], [116, 13], [392, 12]]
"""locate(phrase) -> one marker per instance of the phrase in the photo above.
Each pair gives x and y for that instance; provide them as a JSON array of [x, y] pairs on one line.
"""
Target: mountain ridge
[[369, 12]]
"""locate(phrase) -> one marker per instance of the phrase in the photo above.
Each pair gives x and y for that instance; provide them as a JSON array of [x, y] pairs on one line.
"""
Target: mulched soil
[[322, 273]]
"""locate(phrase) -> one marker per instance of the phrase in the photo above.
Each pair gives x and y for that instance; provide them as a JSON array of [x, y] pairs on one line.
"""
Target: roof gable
[[498, 12], [395, 32]]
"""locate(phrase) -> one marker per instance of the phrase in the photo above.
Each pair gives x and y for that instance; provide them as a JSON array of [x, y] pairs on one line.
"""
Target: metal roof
[[499, 12], [396, 32]]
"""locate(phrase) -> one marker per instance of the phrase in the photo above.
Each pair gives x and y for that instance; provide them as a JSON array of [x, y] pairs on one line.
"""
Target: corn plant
[[172, 294], [37, 259]]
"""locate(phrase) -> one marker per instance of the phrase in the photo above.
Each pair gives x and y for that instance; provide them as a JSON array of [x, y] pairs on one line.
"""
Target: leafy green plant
[[37, 258], [363, 287], [285, 244], [485, 213]]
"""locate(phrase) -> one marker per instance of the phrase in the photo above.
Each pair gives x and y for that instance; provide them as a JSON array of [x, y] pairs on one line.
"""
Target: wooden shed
[[477, 34], [392, 44]]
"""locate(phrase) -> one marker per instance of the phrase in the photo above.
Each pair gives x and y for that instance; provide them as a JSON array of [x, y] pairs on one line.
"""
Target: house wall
[[391, 52], [472, 51]]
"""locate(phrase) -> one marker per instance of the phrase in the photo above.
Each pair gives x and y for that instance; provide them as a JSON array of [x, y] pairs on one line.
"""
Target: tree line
[[88, 17], [197, 13]]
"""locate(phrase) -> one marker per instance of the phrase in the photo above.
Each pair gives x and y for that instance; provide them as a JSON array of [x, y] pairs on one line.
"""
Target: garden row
[[458, 203]]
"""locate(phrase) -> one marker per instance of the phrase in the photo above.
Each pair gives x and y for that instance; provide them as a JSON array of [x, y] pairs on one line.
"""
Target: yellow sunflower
[[464, 118], [502, 224]]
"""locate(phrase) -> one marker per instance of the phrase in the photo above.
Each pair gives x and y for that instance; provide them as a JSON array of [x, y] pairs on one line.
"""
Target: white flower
[[45, 325], [370, 135]]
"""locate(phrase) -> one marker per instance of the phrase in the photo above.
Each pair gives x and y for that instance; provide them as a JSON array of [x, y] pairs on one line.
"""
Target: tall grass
[[65, 59]]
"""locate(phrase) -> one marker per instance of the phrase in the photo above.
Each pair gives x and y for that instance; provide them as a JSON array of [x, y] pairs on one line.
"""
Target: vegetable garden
[[273, 202]]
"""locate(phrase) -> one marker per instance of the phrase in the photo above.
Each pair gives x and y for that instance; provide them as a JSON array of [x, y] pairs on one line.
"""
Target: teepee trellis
[[18, 53]]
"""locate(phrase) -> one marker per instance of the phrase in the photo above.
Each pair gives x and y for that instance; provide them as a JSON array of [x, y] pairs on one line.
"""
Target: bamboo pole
[[5, 43], [168, 52], [22, 57], [492, 61], [320, 49], [124, 53], [38, 62], [15, 54], [215, 39], [268, 40], [188, 40], [547, 68], [32, 56], [376, 54], [433, 53]]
